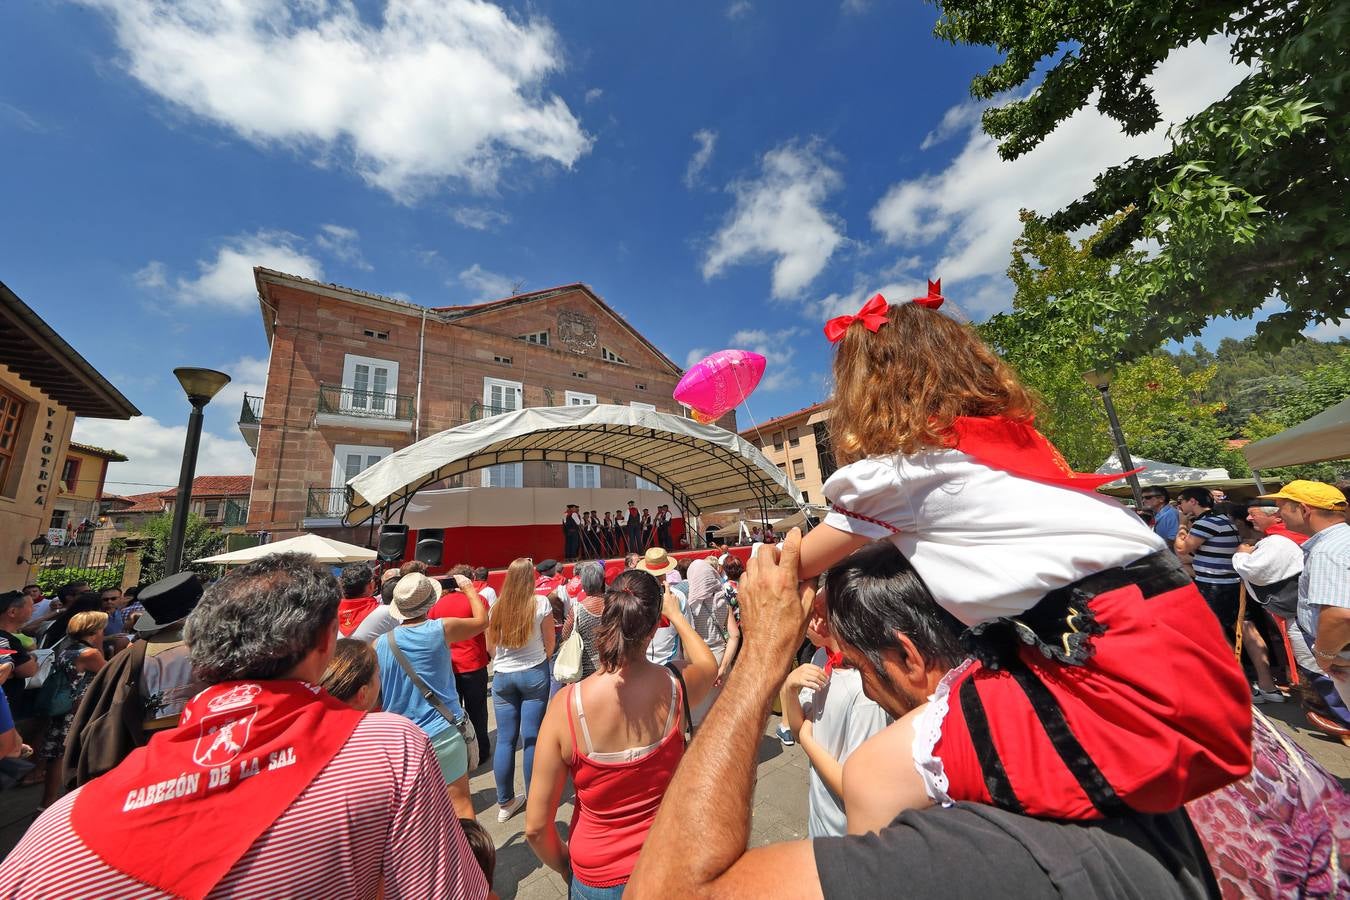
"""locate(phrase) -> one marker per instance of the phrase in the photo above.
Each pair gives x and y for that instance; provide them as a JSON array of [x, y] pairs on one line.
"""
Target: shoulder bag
[[462, 724], [684, 696], [567, 664]]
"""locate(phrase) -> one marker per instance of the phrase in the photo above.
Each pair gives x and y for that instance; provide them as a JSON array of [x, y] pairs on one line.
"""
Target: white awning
[[324, 550], [1325, 436], [1163, 473], [700, 466]]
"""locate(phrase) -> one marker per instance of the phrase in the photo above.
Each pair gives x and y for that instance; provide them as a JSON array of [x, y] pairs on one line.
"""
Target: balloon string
[[745, 401]]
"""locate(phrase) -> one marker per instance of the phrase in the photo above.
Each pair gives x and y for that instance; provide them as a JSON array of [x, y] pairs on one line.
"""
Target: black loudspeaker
[[393, 541], [430, 545]]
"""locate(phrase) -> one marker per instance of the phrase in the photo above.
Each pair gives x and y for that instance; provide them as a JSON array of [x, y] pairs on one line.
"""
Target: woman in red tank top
[[620, 734]]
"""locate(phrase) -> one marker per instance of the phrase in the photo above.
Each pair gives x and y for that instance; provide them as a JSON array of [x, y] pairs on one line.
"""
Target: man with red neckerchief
[[269, 786]]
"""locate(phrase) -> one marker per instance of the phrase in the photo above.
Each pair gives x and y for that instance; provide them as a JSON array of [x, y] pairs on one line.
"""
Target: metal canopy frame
[[665, 457]]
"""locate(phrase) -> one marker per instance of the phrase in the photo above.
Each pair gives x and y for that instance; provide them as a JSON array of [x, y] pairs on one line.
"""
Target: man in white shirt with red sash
[[269, 787]]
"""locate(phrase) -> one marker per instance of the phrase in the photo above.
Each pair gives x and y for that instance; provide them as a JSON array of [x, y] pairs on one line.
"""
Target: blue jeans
[[581, 891], [519, 699]]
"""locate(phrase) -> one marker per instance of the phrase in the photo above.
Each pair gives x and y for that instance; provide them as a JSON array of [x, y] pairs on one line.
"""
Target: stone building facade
[[799, 444], [355, 376], [44, 384]]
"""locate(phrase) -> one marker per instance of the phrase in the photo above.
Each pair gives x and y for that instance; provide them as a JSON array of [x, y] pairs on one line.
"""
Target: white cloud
[[957, 120], [479, 218], [1332, 330], [776, 348], [968, 211], [739, 9], [343, 243], [487, 285], [227, 280], [155, 452], [856, 7], [706, 139], [594, 94], [417, 94], [19, 119], [152, 275], [779, 215]]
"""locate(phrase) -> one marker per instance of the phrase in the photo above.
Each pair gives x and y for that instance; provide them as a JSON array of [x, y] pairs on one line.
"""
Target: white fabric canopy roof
[[324, 550], [700, 466], [1163, 473], [1324, 436]]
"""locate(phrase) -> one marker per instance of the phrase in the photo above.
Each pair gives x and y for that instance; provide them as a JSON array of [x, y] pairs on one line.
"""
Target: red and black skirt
[[1116, 693]]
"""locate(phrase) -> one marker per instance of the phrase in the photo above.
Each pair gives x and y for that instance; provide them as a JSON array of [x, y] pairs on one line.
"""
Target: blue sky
[[725, 174]]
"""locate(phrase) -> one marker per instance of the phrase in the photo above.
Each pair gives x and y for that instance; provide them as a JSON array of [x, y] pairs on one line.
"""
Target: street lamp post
[[200, 385], [1102, 382]]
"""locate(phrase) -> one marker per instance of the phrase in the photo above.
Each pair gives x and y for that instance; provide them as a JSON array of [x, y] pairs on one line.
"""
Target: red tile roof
[[202, 486], [219, 486], [144, 503]]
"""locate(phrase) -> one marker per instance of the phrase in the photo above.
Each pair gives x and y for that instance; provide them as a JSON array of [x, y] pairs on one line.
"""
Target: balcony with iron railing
[[354, 408], [483, 411], [250, 416], [326, 503]]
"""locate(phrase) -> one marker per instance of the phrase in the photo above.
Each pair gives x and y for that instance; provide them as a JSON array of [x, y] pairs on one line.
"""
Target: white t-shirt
[[532, 653], [665, 640], [377, 622], [986, 542], [842, 718]]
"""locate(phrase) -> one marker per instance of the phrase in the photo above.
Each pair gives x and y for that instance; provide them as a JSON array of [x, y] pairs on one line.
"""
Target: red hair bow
[[872, 315], [934, 298]]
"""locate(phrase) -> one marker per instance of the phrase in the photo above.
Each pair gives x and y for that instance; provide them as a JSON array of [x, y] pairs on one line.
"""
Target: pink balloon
[[716, 384]]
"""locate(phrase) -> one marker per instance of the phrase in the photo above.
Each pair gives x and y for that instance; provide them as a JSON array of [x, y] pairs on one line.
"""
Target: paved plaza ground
[[779, 812]]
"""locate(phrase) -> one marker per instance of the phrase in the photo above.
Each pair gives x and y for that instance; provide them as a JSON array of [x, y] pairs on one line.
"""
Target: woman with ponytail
[[620, 734], [520, 637]]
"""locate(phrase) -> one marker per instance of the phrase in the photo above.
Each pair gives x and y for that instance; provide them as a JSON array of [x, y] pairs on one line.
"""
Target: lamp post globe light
[[200, 385], [1101, 380]]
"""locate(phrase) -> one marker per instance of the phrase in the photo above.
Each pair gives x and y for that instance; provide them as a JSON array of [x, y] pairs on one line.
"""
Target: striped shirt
[[376, 815], [1326, 577], [1213, 561]]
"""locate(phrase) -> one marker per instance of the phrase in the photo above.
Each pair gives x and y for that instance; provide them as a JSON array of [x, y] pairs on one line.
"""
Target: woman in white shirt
[[520, 637]]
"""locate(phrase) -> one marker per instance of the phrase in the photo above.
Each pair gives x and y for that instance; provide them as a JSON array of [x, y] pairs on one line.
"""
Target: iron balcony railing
[[326, 503], [482, 411], [251, 412], [345, 401], [236, 513]]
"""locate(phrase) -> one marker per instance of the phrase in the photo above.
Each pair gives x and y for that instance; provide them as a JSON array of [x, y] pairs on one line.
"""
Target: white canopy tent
[[1325, 436], [1164, 474], [324, 550], [699, 466]]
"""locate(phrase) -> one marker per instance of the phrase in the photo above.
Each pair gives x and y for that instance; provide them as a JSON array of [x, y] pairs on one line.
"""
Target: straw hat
[[657, 561], [413, 597]]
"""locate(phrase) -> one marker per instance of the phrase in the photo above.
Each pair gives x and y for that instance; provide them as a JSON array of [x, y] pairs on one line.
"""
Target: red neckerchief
[[1019, 449], [353, 611], [242, 753], [546, 586], [1283, 531], [832, 660]]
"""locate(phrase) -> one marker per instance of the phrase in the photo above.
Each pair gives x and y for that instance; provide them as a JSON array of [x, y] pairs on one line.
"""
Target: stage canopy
[[699, 466], [324, 550], [1325, 436]]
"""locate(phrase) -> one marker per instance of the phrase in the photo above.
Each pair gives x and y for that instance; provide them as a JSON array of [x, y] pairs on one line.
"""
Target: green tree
[[1051, 351], [199, 540], [1248, 201]]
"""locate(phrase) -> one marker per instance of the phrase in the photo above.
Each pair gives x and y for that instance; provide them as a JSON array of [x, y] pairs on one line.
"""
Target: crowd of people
[[1016, 686]]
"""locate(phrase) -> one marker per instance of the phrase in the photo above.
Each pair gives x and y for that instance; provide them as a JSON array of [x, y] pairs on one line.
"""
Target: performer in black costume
[[571, 526]]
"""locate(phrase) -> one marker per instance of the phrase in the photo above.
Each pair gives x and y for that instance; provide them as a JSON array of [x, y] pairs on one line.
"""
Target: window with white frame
[[610, 356], [642, 483], [578, 399], [582, 475], [536, 337], [368, 384], [350, 460], [501, 396], [506, 475]]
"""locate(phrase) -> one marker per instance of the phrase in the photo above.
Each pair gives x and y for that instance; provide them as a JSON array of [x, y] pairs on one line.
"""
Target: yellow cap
[[1310, 493]]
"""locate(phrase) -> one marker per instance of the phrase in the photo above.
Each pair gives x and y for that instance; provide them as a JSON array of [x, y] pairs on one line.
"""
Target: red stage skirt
[[1135, 703]]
